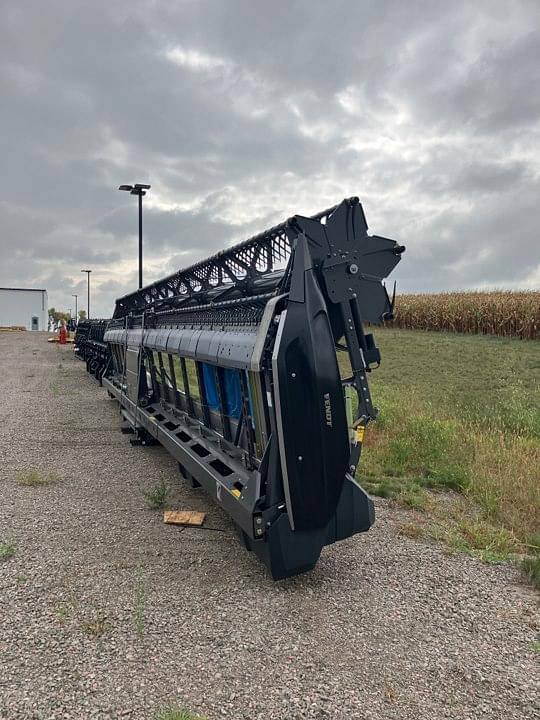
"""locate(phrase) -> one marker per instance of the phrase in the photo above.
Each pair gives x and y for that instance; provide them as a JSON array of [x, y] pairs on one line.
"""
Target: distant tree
[[57, 315], [82, 314]]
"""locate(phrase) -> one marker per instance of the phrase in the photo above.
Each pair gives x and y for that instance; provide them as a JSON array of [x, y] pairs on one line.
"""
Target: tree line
[[57, 316]]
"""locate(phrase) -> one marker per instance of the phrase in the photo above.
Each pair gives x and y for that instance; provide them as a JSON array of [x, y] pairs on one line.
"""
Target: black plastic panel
[[314, 440]]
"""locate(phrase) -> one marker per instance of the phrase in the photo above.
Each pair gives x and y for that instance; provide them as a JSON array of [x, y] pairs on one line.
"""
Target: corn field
[[507, 313]]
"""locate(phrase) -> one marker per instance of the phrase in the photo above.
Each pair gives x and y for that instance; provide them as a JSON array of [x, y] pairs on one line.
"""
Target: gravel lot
[[105, 612]]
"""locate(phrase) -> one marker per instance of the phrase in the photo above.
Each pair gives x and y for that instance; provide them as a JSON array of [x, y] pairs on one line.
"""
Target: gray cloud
[[240, 114]]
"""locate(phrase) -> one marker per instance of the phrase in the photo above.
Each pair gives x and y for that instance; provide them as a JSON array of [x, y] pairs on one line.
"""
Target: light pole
[[88, 306], [140, 190], [76, 311]]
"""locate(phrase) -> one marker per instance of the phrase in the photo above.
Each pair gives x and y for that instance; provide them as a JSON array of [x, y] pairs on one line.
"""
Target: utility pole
[[140, 190], [76, 310], [88, 305]]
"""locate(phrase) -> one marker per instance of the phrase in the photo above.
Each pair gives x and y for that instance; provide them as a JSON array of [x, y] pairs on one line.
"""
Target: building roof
[[24, 289]]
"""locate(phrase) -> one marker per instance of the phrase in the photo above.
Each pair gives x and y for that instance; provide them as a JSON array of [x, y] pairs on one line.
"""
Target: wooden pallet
[[184, 517]]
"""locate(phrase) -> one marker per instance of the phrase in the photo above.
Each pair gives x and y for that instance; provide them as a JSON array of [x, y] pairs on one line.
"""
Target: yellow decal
[[360, 433], [236, 492]]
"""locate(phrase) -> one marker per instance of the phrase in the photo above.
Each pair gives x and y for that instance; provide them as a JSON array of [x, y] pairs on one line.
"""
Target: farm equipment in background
[[232, 366], [90, 346]]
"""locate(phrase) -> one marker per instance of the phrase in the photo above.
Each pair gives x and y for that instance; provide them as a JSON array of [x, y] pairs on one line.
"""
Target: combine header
[[232, 365], [91, 347]]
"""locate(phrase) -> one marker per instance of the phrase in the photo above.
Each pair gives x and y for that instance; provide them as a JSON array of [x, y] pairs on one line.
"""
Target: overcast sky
[[241, 113]]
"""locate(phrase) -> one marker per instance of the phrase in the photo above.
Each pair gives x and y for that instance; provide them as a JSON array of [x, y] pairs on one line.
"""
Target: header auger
[[231, 364]]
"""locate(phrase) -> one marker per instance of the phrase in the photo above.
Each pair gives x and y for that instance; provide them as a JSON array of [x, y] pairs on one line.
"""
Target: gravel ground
[[105, 612]]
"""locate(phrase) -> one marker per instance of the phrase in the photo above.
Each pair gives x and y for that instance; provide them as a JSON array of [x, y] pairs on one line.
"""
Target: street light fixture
[[140, 190], [88, 306], [76, 311]]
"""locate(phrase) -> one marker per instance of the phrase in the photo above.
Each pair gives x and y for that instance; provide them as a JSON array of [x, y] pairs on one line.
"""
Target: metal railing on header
[[241, 263]]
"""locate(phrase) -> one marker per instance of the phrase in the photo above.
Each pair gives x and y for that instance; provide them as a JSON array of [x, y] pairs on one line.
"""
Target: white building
[[24, 307]]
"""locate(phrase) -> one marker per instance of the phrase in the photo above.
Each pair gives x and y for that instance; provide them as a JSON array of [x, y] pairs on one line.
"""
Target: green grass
[[531, 568], [533, 543], [156, 496], [413, 496], [175, 713], [7, 549], [460, 413], [531, 564], [480, 538], [490, 380]]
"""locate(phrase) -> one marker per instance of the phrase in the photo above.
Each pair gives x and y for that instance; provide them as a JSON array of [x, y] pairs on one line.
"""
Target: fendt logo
[[328, 409]]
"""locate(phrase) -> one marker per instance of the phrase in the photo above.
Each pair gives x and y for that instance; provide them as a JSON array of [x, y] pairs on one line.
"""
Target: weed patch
[[156, 497], [176, 713], [413, 496], [531, 568], [531, 564], [33, 478], [533, 543], [96, 626], [62, 613], [7, 549], [411, 530], [55, 390], [479, 538], [408, 492]]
